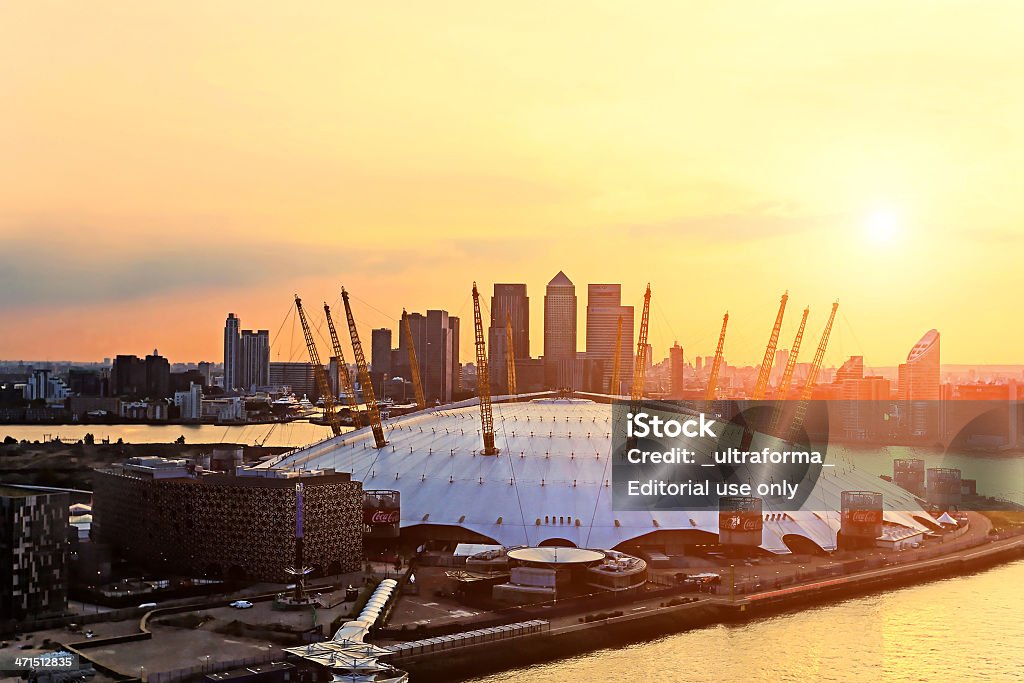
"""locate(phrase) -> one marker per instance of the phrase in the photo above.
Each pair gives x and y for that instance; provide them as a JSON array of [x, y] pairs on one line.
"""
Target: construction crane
[[761, 386], [812, 377], [613, 385], [372, 412], [510, 355], [787, 375], [640, 367], [483, 379], [414, 366], [330, 414], [346, 381], [716, 366]]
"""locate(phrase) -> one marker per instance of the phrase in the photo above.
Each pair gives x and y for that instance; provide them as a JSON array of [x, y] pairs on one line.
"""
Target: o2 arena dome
[[550, 484]]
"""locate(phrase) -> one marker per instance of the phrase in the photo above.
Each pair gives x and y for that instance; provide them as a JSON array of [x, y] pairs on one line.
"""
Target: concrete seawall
[[638, 626]]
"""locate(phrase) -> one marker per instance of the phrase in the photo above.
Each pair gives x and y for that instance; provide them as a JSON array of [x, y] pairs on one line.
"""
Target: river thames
[[957, 629]]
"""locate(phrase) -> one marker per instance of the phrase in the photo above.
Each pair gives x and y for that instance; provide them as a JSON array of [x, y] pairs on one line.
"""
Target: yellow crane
[[483, 379], [345, 381], [319, 372], [640, 367], [787, 375], [812, 377], [414, 366], [716, 365], [510, 355], [613, 385], [372, 411], [761, 386]]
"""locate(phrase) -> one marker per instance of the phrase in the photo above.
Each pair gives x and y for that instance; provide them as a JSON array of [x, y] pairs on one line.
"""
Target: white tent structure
[[551, 481], [346, 655]]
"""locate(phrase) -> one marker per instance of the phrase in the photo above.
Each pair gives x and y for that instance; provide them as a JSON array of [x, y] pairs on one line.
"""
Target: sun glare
[[883, 226]]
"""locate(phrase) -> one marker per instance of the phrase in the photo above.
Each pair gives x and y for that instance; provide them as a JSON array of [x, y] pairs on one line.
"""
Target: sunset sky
[[166, 163]]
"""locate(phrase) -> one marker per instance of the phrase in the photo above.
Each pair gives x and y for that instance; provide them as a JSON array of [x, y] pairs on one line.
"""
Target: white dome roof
[[554, 466]]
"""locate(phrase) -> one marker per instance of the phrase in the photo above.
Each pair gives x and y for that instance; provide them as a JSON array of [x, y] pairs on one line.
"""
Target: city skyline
[[615, 165]]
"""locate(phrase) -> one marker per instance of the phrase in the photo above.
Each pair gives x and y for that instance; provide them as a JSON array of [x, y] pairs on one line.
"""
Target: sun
[[883, 226]]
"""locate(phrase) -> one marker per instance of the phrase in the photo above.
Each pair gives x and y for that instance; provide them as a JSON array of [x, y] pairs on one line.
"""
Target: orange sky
[[165, 163]]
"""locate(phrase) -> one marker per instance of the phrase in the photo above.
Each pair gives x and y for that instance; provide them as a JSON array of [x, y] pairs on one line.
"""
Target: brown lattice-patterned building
[[171, 516]]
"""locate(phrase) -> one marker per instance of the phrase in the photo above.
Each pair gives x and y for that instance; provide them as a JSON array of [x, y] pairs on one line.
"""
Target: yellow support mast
[[812, 377], [414, 366], [640, 367], [319, 372], [510, 355], [761, 386], [345, 380], [372, 411], [483, 379], [613, 384], [716, 365], [787, 375]]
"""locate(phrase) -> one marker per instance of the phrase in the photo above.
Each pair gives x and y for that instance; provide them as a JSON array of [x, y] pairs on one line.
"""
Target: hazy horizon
[[166, 165]]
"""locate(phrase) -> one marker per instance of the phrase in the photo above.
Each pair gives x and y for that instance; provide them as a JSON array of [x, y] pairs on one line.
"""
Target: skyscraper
[[380, 351], [453, 332], [158, 376], [604, 306], [919, 380], [852, 368], [231, 344], [255, 359], [559, 331], [434, 336], [676, 371], [509, 303]]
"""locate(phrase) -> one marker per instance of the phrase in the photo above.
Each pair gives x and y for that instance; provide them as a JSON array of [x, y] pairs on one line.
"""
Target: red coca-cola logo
[[736, 522], [864, 516], [385, 517]]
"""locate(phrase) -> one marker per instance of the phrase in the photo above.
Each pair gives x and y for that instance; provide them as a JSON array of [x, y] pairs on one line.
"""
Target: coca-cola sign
[[735, 522], [864, 516], [381, 516]]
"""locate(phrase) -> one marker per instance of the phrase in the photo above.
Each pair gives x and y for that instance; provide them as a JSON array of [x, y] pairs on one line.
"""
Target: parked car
[[147, 605], [241, 604]]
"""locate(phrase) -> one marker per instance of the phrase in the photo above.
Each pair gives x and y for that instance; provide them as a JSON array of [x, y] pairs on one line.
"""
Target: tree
[[10, 440], [180, 440], [89, 439]]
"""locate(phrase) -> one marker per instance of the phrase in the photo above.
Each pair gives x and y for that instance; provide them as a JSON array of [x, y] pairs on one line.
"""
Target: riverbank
[[71, 465], [641, 623]]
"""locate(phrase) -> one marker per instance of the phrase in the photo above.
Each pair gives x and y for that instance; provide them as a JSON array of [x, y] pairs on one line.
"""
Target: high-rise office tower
[[436, 352], [919, 380], [604, 306], [453, 332], [380, 351], [852, 368], [231, 344], [128, 376], [509, 303], [559, 332], [158, 376], [676, 371], [255, 359]]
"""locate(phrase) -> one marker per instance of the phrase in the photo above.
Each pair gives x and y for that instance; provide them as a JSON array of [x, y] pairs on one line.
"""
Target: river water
[[282, 434], [958, 629], [1000, 475]]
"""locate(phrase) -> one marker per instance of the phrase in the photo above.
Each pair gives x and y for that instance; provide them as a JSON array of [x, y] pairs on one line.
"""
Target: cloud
[[78, 271], [60, 267]]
